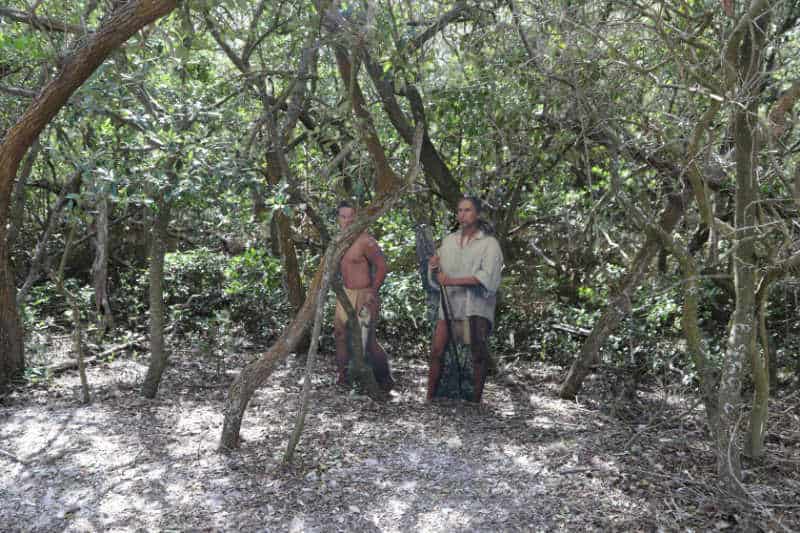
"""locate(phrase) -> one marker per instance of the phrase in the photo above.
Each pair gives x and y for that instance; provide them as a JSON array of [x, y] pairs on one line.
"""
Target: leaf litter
[[523, 461]]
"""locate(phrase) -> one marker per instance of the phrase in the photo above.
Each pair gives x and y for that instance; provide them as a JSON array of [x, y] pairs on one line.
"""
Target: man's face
[[467, 216], [346, 217]]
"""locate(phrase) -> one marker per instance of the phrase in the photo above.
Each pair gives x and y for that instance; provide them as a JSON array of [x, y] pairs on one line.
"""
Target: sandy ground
[[523, 461]]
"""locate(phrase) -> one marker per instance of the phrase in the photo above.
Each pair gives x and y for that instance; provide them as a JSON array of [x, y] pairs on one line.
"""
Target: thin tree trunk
[[759, 360], [74, 304], [743, 327], [709, 374], [105, 319], [77, 339], [743, 67], [312, 354], [18, 209], [158, 355]]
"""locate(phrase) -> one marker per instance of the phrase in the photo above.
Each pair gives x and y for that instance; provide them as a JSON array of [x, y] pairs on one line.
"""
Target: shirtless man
[[363, 271]]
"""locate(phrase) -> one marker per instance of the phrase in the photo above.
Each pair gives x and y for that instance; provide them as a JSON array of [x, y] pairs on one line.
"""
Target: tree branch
[[42, 23]]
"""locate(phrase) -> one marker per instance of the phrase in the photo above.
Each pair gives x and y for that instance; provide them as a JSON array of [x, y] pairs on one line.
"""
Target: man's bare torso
[[355, 265]]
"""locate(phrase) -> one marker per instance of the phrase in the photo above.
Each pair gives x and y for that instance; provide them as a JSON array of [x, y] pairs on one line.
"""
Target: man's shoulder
[[366, 241], [366, 238], [452, 236]]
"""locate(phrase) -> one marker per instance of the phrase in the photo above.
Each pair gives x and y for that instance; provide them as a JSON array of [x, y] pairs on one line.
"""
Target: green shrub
[[200, 284]]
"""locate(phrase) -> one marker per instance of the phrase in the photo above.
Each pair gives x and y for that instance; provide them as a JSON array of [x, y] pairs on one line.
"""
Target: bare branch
[[42, 23], [17, 91], [454, 15]]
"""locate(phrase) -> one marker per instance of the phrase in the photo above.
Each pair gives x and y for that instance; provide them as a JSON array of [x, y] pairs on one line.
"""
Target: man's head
[[469, 211], [345, 214]]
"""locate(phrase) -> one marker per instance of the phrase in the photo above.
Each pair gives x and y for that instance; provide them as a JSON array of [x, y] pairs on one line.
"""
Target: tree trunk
[[312, 354], [77, 67], [158, 355], [743, 64], [759, 360], [12, 359], [18, 205], [709, 374], [105, 319], [743, 328], [291, 267], [620, 303], [436, 170]]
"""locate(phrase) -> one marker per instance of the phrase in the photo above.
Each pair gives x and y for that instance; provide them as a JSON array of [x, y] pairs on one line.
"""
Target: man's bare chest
[[354, 256]]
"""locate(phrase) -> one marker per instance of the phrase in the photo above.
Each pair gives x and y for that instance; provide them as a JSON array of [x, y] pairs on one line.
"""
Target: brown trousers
[[479, 330]]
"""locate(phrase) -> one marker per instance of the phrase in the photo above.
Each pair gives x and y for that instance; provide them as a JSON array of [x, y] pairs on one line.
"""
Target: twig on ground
[[13, 457]]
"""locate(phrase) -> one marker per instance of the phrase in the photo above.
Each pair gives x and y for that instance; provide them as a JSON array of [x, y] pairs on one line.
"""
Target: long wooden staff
[[451, 342]]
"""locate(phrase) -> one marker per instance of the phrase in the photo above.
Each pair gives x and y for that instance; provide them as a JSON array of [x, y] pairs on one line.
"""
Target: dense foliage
[[236, 128]]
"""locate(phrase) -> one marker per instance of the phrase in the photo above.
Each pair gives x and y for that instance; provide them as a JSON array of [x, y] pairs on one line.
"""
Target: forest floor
[[523, 461]]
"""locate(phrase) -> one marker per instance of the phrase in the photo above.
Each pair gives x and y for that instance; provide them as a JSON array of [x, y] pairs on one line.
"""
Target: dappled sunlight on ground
[[524, 460]]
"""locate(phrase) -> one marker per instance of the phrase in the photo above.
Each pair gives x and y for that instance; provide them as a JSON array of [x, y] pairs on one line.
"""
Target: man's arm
[[374, 255], [446, 280]]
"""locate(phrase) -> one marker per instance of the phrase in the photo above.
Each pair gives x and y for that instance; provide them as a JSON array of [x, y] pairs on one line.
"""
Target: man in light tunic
[[467, 266], [363, 270]]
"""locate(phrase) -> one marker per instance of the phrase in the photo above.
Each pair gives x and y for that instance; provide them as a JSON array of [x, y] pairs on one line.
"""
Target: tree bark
[[759, 362], [432, 162], [18, 205], [105, 319], [85, 58], [310, 359], [158, 355], [708, 373], [743, 65]]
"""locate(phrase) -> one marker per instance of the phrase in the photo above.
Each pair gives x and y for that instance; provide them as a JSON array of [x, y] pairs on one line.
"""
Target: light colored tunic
[[482, 258]]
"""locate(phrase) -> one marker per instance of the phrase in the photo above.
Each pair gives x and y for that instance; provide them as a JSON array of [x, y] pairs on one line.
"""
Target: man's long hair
[[483, 224]]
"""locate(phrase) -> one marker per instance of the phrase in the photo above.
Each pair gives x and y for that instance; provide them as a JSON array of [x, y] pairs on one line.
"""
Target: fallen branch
[[13, 457], [73, 363], [572, 330]]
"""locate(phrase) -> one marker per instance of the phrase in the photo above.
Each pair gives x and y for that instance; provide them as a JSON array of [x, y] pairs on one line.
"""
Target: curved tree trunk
[[257, 372], [76, 69]]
